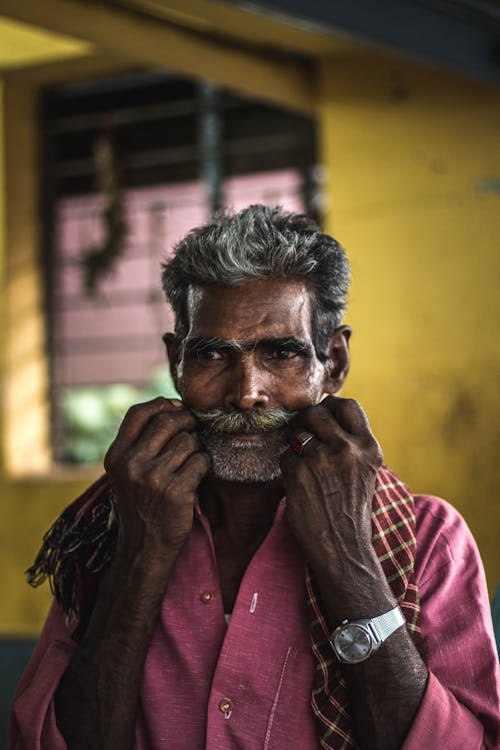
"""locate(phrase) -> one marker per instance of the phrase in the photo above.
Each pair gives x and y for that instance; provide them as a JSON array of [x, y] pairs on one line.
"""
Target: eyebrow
[[200, 344]]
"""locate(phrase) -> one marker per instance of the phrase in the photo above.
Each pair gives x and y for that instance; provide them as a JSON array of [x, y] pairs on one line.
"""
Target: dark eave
[[460, 35]]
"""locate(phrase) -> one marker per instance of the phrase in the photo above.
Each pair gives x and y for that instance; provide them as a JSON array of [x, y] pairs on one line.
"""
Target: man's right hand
[[155, 465]]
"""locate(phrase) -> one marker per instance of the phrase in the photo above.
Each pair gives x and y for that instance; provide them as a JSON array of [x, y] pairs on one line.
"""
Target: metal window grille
[[183, 151]]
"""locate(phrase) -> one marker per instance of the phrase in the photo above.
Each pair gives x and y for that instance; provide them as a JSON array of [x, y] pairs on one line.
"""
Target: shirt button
[[226, 706], [207, 597]]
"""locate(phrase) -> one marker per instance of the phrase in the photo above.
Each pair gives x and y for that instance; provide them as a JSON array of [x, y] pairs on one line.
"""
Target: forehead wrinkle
[[252, 309]]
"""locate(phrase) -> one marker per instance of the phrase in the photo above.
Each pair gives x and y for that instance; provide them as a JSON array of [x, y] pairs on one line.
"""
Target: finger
[[135, 420], [178, 450], [320, 422], [304, 443], [288, 460], [294, 468], [349, 415], [193, 470], [160, 430]]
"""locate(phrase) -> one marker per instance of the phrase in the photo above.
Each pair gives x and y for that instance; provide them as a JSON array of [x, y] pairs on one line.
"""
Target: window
[[177, 151]]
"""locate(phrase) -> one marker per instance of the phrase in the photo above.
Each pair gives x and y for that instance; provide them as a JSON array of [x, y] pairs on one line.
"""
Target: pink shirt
[[247, 685]]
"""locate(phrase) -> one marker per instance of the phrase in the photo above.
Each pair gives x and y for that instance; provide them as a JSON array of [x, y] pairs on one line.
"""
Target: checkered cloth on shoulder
[[393, 538]]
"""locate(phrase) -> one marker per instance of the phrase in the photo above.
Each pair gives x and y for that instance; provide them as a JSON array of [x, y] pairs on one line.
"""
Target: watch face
[[353, 643]]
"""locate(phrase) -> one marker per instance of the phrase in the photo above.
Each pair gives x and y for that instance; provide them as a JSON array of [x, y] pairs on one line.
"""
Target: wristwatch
[[355, 641]]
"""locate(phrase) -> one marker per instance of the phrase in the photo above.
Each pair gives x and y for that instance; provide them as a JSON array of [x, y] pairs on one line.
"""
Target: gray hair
[[261, 242]]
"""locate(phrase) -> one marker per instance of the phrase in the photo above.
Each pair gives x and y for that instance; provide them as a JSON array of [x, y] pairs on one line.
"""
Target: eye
[[283, 354], [211, 355]]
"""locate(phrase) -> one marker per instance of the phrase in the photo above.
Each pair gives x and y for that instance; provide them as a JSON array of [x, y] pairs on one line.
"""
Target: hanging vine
[[98, 261]]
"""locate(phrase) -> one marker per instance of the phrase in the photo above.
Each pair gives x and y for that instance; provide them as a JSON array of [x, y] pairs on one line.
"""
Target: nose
[[247, 387]]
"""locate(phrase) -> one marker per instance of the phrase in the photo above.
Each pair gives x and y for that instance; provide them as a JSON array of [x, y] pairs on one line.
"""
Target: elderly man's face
[[249, 356]]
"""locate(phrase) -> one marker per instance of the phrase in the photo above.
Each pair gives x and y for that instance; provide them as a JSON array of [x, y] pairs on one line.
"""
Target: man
[[249, 575]]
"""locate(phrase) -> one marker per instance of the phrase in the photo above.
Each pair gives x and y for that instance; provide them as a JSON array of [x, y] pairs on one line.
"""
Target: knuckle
[[168, 423], [351, 403], [191, 441], [133, 410], [160, 421], [352, 411], [157, 401], [356, 453], [184, 441], [146, 406], [371, 443], [184, 416], [321, 411], [156, 478], [186, 419], [308, 413], [134, 471], [323, 456], [353, 452], [174, 417], [176, 489]]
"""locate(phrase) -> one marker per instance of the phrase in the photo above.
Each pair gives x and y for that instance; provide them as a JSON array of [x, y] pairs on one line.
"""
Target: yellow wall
[[408, 154], [27, 509], [28, 505], [25, 414], [412, 156]]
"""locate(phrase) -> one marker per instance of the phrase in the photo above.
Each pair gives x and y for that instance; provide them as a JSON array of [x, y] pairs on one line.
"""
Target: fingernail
[[175, 402]]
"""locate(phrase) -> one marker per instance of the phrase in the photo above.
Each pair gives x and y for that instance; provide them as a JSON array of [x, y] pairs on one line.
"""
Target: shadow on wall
[[14, 655]]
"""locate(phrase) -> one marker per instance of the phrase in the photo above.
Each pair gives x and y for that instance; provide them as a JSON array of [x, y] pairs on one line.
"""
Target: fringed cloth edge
[[77, 547]]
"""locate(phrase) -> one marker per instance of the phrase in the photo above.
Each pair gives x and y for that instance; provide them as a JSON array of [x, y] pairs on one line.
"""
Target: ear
[[338, 361], [173, 351]]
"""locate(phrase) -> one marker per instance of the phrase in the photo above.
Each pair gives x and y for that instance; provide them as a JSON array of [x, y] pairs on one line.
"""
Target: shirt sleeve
[[32, 721], [461, 704]]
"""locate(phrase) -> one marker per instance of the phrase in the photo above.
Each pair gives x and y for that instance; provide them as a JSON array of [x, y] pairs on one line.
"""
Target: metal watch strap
[[384, 625], [355, 641]]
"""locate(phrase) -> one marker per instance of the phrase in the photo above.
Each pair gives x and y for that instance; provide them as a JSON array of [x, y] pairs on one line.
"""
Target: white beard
[[237, 460]]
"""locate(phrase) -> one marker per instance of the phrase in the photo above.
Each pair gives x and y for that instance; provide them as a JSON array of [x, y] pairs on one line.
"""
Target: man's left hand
[[329, 491]]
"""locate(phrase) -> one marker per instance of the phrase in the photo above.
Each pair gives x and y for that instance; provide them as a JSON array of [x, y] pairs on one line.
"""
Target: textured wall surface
[[412, 192]]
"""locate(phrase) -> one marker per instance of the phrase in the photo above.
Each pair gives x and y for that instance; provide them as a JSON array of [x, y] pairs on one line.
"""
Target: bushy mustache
[[218, 420]]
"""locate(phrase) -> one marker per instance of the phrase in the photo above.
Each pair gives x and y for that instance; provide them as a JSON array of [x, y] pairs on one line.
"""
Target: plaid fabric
[[393, 538]]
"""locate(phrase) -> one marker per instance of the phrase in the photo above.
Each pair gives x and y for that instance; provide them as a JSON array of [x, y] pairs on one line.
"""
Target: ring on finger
[[300, 441]]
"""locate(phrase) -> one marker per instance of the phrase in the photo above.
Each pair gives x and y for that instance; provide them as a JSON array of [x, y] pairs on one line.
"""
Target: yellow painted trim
[[22, 44], [121, 33], [3, 255], [24, 392], [249, 25], [73, 71]]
